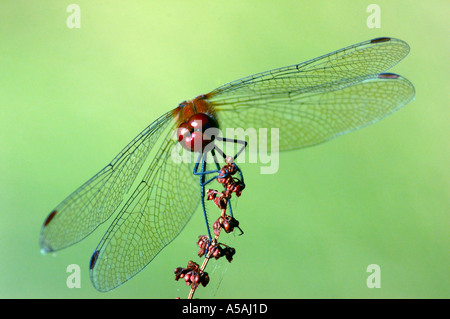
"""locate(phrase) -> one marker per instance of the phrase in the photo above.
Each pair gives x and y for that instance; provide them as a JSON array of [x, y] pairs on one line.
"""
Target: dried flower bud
[[229, 160], [229, 223], [217, 227], [211, 194], [205, 279], [229, 252]]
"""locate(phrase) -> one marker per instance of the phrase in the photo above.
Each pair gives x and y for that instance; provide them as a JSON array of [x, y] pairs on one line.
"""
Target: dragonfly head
[[197, 132]]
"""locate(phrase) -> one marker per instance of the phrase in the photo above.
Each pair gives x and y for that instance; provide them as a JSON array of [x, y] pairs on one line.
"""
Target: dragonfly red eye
[[193, 134], [183, 132]]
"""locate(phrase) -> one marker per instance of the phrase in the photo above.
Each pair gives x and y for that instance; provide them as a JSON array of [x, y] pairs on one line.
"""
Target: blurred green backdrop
[[71, 99]]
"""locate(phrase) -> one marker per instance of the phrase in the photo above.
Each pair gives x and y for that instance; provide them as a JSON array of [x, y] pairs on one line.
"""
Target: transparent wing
[[317, 100], [328, 72], [96, 200], [155, 214], [309, 119]]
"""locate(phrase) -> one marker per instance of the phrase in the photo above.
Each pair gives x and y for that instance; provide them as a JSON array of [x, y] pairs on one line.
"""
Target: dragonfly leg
[[235, 141], [202, 158], [229, 207], [215, 159], [202, 187]]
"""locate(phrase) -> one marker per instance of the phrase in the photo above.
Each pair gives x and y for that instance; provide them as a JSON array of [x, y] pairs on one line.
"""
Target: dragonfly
[[310, 103]]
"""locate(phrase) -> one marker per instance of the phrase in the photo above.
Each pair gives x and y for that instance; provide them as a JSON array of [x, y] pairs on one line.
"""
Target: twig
[[193, 274]]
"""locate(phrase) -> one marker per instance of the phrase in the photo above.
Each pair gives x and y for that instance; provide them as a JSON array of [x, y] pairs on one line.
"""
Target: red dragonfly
[[311, 102]]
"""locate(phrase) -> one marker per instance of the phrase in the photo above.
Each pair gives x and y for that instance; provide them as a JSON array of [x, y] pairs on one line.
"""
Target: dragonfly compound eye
[[199, 131]]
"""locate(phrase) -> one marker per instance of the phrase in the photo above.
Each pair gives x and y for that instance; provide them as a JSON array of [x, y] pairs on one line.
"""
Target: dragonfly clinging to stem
[[311, 102]]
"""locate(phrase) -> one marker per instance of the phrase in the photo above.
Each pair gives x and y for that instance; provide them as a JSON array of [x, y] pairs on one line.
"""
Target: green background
[[71, 99]]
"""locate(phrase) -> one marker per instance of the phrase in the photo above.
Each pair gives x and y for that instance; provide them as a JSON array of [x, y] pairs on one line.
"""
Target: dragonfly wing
[[155, 214], [96, 200], [328, 72], [320, 99], [309, 119]]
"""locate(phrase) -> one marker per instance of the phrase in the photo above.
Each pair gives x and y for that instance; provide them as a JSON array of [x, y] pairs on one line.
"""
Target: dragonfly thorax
[[197, 132]]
